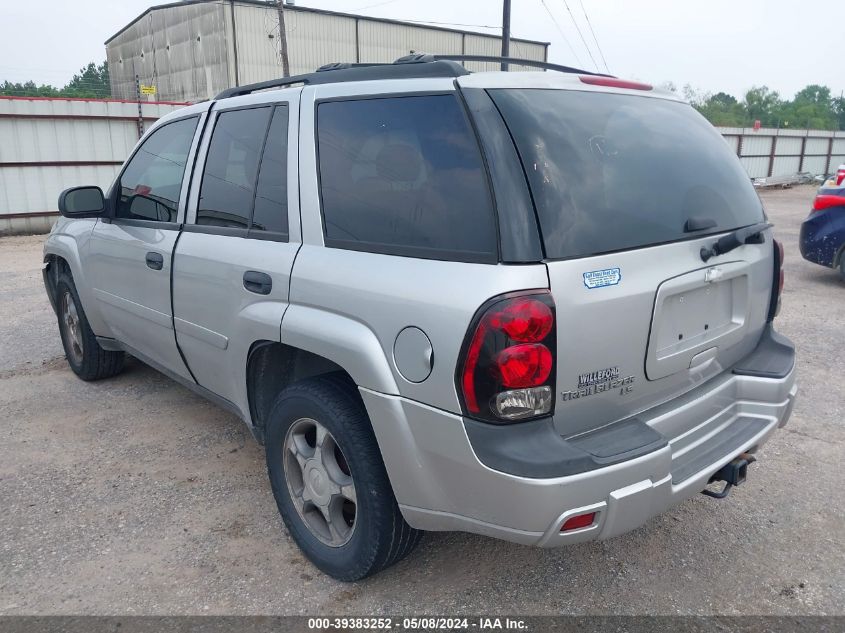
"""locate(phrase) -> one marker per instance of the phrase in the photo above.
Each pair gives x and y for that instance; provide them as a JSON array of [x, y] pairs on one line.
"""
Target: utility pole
[[140, 122], [140, 107], [506, 31], [283, 38]]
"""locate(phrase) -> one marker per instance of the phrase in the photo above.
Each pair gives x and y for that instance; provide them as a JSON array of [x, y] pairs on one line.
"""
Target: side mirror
[[82, 202]]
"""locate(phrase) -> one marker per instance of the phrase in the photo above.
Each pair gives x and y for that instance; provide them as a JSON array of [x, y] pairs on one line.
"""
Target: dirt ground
[[134, 496]]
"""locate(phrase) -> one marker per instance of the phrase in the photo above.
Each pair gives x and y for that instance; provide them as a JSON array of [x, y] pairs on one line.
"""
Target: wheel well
[[56, 265], [272, 366]]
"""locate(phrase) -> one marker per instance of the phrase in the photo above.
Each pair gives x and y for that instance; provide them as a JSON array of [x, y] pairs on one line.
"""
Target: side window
[[150, 185], [404, 176], [271, 193], [231, 167]]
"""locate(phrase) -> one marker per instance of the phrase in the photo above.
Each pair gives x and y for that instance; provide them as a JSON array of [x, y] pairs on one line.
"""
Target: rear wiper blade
[[726, 243]]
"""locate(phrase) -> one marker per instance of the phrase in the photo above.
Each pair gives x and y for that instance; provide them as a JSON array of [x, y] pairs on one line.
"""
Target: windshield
[[610, 172]]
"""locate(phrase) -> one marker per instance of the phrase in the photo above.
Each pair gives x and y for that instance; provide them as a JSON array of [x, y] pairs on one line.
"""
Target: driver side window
[[149, 186]]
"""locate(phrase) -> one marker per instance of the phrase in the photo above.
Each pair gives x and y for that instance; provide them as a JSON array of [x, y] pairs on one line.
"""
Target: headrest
[[398, 162]]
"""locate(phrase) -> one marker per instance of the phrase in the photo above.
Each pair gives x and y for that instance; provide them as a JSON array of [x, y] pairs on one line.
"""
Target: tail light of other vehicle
[[777, 285], [826, 201], [507, 373], [840, 175]]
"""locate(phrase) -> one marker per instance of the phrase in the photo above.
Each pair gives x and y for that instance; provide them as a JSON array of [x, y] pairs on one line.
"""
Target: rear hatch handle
[[726, 243]]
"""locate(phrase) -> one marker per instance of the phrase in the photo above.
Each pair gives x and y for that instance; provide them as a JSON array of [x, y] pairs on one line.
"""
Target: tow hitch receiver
[[732, 474]]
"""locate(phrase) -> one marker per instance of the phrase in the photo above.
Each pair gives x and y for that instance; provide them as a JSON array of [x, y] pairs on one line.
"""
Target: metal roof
[[288, 7]]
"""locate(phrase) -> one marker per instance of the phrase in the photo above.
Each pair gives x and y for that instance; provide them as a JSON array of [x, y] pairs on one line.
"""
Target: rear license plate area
[[692, 315]]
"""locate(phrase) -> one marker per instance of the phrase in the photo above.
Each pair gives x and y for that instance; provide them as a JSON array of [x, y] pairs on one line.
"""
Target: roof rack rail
[[413, 66], [506, 60], [342, 72], [281, 82]]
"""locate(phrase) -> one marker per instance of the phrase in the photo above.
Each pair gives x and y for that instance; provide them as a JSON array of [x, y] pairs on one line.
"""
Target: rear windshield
[[610, 172]]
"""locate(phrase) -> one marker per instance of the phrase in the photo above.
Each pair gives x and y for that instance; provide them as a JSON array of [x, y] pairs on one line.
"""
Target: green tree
[[763, 104], [837, 105], [91, 82], [723, 109], [27, 89], [811, 108]]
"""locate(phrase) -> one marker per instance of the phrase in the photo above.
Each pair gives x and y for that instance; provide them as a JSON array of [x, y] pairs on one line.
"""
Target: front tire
[[329, 480], [86, 358]]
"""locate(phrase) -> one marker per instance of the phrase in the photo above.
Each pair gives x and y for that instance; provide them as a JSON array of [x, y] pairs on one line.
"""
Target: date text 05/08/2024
[[419, 623]]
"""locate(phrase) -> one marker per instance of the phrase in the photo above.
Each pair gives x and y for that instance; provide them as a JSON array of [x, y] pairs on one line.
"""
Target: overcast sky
[[716, 45]]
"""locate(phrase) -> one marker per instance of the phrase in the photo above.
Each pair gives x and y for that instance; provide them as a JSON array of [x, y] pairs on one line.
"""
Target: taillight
[[613, 82], [777, 281], [825, 201], [840, 175], [507, 374], [525, 365]]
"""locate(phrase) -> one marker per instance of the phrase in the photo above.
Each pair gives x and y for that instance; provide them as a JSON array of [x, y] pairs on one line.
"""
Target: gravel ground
[[134, 496]]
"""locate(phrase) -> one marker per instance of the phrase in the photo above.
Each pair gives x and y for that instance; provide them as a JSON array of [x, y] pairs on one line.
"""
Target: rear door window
[[231, 167], [612, 172], [404, 176], [271, 192]]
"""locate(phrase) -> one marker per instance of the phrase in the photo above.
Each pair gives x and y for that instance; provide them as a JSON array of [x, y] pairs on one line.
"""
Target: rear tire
[[86, 358], [842, 266], [329, 480]]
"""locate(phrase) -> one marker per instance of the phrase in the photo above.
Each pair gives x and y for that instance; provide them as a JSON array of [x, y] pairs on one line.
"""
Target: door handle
[[259, 283], [155, 260]]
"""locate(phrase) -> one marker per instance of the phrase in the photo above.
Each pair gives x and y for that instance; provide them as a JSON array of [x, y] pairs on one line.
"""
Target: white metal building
[[192, 50]]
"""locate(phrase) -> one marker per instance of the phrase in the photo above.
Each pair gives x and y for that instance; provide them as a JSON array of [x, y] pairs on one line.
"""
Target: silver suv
[[533, 305]]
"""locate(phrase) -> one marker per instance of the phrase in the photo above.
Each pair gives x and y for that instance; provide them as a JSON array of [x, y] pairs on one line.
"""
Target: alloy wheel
[[73, 329], [320, 482]]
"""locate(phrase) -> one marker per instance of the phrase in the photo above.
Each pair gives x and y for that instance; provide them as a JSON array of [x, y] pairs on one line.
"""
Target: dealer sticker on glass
[[601, 278]]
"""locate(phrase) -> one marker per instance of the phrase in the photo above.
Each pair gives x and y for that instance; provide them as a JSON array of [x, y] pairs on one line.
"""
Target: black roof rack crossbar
[[509, 60]]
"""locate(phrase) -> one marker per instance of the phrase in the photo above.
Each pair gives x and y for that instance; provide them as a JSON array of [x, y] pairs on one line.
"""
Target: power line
[[560, 30], [590, 24], [580, 34], [478, 26]]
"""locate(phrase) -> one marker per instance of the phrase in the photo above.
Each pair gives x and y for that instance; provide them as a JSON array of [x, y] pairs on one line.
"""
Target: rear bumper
[[443, 483], [822, 237]]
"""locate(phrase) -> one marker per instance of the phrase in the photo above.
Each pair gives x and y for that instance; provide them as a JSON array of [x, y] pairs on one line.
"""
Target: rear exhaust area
[[732, 473]]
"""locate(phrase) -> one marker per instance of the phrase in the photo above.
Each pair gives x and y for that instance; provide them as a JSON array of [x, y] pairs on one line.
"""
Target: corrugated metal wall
[[315, 40], [182, 51], [771, 152], [189, 51], [52, 144], [382, 42]]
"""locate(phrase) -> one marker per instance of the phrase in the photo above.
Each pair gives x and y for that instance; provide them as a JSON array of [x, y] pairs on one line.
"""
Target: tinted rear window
[[404, 176], [611, 172], [228, 182]]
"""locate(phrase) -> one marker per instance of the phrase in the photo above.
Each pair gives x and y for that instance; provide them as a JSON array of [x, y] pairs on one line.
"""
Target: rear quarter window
[[404, 176], [612, 172]]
